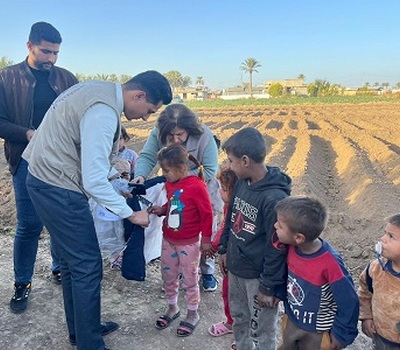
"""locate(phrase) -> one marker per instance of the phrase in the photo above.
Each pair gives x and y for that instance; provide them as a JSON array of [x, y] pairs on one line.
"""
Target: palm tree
[[249, 66], [175, 78], [199, 81], [301, 76], [385, 85], [5, 62], [101, 76]]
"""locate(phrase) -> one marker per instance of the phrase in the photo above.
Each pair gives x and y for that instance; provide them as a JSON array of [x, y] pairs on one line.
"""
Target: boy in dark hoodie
[[249, 248]]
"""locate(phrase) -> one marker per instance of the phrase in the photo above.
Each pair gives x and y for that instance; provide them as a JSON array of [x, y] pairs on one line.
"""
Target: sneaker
[[106, 328], [209, 283], [19, 301], [56, 277]]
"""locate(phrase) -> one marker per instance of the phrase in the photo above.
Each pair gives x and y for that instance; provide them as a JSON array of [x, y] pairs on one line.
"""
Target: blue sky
[[349, 42]]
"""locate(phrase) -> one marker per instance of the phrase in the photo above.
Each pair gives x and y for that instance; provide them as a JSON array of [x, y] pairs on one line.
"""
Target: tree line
[[320, 87]]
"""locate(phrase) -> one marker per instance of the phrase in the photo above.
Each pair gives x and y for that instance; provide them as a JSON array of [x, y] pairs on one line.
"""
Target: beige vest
[[54, 153]]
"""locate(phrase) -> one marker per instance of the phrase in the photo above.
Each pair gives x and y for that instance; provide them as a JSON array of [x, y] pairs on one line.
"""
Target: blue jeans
[[27, 231], [67, 216]]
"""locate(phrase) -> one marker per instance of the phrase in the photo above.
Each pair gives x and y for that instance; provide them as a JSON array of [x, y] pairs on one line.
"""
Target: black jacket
[[17, 85], [249, 239]]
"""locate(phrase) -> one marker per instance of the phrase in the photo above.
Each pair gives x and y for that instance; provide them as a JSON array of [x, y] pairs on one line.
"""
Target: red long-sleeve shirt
[[188, 212]]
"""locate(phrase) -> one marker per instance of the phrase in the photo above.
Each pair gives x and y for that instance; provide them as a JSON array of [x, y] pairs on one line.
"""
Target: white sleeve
[[97, 127]]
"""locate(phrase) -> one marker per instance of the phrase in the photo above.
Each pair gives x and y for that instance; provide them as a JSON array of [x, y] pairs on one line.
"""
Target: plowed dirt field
[[348, 155]]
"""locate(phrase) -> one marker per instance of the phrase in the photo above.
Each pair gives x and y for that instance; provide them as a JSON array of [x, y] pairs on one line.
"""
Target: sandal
[[219, 329], [185, 329], [164, 321], [233, 346]]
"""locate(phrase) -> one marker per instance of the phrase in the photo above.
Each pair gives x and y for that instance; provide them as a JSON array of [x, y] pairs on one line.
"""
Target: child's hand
[[207, 250], [335, 345], [157, 210], [138, 180], [267, 301], [222, 264], [368, 327]]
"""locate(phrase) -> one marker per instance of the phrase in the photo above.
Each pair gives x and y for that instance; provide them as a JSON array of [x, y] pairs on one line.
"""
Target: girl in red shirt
[[187, 229]]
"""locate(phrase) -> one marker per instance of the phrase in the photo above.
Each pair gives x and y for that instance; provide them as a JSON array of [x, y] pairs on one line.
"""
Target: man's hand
[[222, 264], [29, 134], [267, 301], [368, 327], [140, 218]]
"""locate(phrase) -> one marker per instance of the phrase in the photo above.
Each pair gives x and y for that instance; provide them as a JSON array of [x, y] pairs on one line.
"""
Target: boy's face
[[283, 231], [391, 243], [237, 165]]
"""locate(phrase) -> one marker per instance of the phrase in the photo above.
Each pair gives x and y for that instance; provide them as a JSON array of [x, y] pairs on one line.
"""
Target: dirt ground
[[347, 155]]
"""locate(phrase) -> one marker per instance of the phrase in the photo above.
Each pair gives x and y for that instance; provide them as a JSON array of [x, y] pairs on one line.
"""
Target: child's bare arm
[[368, 327]]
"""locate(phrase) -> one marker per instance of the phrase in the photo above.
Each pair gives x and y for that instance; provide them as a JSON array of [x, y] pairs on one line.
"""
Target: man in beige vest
[[70, 160]]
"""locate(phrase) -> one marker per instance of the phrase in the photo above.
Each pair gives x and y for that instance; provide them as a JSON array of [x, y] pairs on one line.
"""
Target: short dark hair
[[154, 84], [247, 142], [44, 31], [303, 214], [177, 115], [394, 220]]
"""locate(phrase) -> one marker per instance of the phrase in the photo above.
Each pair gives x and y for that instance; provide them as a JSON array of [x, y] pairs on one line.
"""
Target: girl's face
[[391, 243], [173, 174], [224, 194]]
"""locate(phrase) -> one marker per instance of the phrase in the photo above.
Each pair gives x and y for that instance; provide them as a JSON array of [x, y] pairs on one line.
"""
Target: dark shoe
[[164, 320], [19, 301], [56, 277], [209, 283], [106, 328]]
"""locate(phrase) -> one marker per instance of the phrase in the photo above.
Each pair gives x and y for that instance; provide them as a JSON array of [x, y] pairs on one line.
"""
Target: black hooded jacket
[[249, 239]]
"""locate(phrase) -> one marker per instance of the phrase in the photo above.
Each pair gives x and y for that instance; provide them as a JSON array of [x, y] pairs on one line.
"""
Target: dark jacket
[[249, 239], [17, 85]]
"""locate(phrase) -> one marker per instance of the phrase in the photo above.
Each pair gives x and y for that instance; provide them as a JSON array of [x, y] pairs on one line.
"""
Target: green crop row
[[219, 103]]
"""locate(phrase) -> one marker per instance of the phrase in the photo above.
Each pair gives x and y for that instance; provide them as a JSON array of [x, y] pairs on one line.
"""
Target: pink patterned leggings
[[182, 259]]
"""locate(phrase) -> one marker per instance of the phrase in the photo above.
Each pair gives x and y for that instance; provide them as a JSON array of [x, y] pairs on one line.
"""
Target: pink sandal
[[219, 329], [233, 346]]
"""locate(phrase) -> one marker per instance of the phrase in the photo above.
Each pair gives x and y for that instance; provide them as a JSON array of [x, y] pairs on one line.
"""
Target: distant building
[[290, 86], [243, 91], [191, 93]]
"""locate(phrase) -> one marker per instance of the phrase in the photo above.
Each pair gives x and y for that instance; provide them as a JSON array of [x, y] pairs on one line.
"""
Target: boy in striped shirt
[[322, 304]]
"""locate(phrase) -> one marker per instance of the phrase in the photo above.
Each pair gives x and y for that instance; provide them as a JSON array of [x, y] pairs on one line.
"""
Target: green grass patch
[[218, 103]]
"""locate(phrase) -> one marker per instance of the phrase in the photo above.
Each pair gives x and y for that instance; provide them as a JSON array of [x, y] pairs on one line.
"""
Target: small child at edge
[[379, 290], [322, 304]]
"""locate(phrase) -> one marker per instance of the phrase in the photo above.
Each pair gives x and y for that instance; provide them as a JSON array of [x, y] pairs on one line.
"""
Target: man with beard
[[27, 90]]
